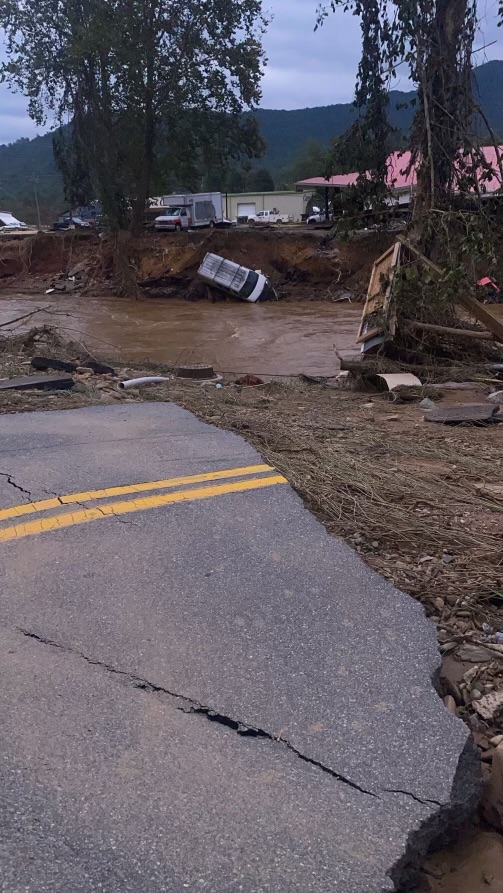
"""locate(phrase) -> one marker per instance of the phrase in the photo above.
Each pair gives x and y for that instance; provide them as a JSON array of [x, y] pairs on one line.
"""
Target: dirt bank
[[301, 264], [33, 257]]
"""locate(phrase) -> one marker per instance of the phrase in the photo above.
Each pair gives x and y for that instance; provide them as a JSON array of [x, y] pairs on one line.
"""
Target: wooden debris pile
[[381, 322]]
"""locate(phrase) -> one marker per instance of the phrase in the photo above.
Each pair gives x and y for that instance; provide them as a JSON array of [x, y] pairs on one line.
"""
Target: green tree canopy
[[311, 161], [260, 180], [148, 85]]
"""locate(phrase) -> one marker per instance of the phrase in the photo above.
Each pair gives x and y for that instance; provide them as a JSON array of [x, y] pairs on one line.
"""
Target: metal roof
[[398, 178]]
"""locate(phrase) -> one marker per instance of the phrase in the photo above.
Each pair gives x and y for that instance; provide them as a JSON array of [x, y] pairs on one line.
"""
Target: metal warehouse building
[[245, 204]]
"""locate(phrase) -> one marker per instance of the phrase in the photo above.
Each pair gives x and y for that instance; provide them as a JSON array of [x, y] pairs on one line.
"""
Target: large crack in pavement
[[5, 474], [189, 706], [425, 802], [442, 823]]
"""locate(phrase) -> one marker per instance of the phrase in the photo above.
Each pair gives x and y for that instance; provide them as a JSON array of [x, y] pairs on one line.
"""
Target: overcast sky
[[304, 69]]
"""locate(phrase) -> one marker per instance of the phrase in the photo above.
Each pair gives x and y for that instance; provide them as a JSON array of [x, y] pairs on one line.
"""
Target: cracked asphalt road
[[202, 690]]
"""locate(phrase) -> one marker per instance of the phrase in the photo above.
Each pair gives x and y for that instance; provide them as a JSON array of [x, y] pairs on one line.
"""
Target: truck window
[[251, 281]]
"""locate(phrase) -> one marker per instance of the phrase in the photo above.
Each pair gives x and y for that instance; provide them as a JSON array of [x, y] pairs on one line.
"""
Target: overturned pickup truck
[[240, 282]]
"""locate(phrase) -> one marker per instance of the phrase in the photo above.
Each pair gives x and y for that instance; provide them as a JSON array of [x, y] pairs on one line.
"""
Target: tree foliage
[[310, 161], [260, 180], [146, 86], [434, 40]]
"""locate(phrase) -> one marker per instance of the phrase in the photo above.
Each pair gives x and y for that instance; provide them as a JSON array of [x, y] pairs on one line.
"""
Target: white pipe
[[136, 382]]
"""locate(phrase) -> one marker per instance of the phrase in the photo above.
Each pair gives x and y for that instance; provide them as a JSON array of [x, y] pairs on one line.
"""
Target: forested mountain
[[27, 166], [285, 132]]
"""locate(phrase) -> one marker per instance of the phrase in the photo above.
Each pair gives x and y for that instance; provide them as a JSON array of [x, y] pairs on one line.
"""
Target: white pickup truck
[[270, 217]]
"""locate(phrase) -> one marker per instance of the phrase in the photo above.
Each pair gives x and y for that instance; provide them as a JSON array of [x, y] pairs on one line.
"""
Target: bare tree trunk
[[445, 100], [124, 271], [145, 176]]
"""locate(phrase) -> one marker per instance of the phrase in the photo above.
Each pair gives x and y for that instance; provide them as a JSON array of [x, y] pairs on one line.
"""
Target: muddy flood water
[[269, 339]]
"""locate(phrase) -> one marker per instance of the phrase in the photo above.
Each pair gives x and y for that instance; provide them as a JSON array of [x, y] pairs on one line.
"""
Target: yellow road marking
[[31, 528], [28, 508]]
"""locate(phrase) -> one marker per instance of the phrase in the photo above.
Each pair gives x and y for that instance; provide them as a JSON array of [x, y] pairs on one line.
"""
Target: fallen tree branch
[[448, 331], [11, 322]]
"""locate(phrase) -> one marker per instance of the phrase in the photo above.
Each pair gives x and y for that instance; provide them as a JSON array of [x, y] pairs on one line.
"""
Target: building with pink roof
[[400, 182]]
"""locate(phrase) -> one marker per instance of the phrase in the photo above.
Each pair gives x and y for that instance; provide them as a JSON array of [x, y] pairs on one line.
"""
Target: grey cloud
[[306, 68], [15, 124]]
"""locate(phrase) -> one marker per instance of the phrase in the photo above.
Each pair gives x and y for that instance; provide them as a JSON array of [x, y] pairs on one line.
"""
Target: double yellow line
[[255, 477]]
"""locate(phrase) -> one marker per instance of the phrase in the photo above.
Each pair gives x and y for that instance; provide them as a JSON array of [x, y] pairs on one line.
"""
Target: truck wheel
[[279, 220], [178, 227], [212, 224]]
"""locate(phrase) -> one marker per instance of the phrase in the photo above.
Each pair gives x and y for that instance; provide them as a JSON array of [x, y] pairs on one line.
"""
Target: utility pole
[[35, 180]]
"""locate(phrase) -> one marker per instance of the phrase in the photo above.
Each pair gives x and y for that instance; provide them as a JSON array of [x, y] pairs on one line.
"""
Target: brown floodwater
[[269, 338]]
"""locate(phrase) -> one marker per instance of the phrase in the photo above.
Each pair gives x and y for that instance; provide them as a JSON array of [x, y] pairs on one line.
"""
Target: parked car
[[270, 217], [9, 223], [318, 216], [13, 227], [71, 223]]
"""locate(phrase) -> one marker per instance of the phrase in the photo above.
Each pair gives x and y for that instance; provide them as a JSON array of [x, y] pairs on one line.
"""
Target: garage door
[[246, 210]]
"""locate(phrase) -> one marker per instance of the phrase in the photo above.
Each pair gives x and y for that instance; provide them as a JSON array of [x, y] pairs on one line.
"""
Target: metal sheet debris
[[399, 379]]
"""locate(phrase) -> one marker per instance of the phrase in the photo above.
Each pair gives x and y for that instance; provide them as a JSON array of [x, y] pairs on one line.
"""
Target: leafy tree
[[78, 188], [260, 180], [311, 161], [434, 39], [146, 84], [236, 180]]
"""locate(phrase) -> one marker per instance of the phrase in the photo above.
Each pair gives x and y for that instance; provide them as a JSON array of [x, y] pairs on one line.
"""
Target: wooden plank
[[455, 415], [377, 302], [27, 382], [483, 315]]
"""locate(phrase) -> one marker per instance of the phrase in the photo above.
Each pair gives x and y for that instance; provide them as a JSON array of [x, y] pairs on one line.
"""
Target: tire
[[178, 228], [278, 222], [212, 224]]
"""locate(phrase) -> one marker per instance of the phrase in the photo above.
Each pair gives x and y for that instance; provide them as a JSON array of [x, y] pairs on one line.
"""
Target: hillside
[[285, 132], [28, 164]]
